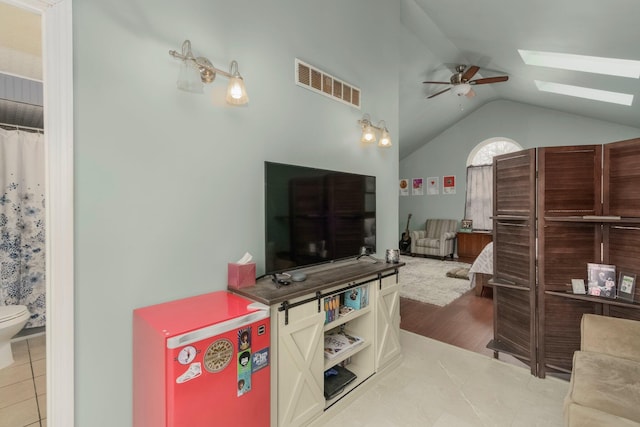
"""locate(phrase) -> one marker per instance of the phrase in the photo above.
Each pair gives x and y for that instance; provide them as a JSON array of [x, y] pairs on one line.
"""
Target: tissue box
[[241, 275]]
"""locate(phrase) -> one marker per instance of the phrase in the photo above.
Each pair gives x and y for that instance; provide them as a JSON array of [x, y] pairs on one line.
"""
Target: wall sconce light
[[196, 71], [369, 132]]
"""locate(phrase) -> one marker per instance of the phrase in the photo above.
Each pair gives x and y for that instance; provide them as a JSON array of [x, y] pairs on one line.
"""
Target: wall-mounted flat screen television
[[314, 216]]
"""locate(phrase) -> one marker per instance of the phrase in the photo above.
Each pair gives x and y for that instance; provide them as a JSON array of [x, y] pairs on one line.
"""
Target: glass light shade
[[189, 78], [368, 134], [461, 89], [385, 139], [236, 92]]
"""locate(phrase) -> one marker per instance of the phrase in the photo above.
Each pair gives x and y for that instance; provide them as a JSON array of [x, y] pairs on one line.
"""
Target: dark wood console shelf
[[507, 285], [319, 278], [597, 300], [601, 220]]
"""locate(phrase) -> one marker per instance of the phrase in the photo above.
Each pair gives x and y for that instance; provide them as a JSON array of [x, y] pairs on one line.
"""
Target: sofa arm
[[448, 235], [610, 335], [418, 234]]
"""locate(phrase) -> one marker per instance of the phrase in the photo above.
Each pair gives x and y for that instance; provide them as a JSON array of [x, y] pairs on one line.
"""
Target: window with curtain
[[479, 201]]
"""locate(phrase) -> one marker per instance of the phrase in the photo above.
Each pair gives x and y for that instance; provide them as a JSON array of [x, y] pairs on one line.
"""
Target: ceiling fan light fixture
[[461, 89]]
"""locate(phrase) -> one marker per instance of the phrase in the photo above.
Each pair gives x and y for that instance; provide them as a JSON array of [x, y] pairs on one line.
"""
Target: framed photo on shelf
[[626, 286], [466, 226], [601, 280]]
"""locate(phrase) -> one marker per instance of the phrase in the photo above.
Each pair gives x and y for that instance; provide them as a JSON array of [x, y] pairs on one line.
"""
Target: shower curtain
[[22, 222]]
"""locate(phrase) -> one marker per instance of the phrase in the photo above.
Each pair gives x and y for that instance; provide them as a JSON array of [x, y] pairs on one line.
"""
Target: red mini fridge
[[201, 361]]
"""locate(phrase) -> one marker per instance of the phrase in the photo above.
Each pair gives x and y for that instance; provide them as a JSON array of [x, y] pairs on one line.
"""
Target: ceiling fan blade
[[438, 83], [469, 73], [489, 80], [436, 94]]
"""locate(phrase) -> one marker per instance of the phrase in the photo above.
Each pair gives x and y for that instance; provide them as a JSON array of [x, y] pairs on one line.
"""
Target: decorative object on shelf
[[393, 255], [577, 286], [626, 286], [369, 132], [357, 298], [602, 280], [194, 67], [466, 226]]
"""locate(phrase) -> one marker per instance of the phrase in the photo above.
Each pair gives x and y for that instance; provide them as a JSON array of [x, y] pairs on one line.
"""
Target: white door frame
[[57, 54]]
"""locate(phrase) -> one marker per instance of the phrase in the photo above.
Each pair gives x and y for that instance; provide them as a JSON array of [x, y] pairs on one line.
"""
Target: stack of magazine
[[339, 342]]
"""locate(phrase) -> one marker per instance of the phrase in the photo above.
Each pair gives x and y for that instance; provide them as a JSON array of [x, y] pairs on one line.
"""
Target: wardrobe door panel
[[514, 215], [622, 178]]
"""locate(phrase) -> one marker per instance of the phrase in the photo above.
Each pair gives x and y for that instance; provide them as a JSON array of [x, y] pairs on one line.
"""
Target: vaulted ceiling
[[438, 35], [488, 33]]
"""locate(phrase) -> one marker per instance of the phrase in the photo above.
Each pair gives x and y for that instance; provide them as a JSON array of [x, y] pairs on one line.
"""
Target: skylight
[[589, 64], [585, 92]]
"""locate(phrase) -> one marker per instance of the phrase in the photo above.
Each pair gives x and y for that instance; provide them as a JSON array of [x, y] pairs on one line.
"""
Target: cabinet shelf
[[603, 219], [597, 300], [362, 374], [329, 363], [349, 317]]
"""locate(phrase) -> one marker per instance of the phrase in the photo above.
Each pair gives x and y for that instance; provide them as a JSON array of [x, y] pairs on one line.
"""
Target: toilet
[[12, 320]]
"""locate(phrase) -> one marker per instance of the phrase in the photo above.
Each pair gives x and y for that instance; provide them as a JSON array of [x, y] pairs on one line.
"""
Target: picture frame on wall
[[626, 286]]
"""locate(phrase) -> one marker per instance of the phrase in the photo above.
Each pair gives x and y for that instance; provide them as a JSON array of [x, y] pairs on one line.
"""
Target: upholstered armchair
[[603, 390], [437, 239]]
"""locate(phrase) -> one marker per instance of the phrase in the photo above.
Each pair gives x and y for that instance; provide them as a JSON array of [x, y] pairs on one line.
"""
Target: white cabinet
[[299, 360], [388, 321], [299, 323]]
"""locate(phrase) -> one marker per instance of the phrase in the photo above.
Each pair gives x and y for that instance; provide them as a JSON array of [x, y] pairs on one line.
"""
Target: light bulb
[[236, 92]]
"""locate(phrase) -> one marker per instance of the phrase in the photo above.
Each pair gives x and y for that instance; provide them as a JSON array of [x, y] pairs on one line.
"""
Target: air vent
[[320, 82]]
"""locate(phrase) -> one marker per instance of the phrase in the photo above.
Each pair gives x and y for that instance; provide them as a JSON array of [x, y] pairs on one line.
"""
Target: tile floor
[[23, 385], [439, 385]]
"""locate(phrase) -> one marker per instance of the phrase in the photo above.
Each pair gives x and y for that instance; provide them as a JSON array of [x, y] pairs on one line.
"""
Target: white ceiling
[[439, 34], [488, 33]]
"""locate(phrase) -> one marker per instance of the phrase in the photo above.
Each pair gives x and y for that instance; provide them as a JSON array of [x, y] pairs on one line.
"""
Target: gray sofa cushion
[[606, 383], [576, 415]]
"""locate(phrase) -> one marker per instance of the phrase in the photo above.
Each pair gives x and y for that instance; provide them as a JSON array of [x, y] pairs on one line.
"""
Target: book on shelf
[[336, 343]]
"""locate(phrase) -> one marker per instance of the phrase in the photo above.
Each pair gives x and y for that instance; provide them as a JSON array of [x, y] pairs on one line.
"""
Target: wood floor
[[467, 322]]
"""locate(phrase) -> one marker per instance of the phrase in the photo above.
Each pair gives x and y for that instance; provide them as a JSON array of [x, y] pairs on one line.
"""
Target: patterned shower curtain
[[22, 222]]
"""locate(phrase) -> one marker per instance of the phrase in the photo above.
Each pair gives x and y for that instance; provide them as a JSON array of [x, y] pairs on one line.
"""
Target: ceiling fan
[[460, 82]]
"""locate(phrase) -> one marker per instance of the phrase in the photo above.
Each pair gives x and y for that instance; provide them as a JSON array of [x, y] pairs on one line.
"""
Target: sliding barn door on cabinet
[[514, 278]]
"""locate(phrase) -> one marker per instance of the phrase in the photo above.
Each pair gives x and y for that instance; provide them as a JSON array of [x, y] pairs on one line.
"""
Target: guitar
[[405, 240]]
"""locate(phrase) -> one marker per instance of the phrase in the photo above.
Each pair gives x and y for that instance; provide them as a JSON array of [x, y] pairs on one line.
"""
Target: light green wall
[[169, 185], [530, 126]]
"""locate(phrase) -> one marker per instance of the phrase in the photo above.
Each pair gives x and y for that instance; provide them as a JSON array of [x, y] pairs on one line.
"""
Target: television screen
[[314, 216]]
